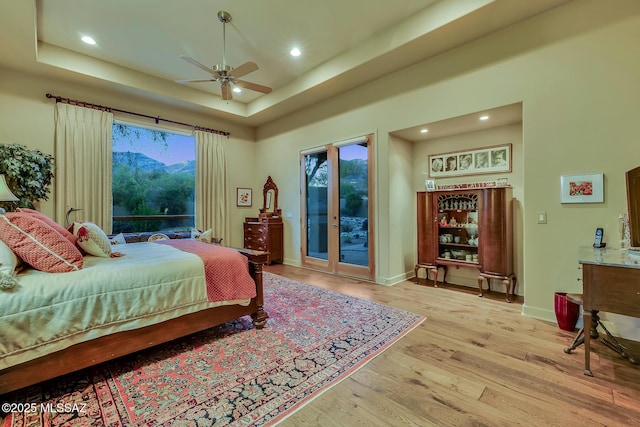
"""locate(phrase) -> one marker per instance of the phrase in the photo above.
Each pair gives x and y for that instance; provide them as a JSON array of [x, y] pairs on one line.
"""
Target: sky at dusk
[[179, 148], [351, 152]]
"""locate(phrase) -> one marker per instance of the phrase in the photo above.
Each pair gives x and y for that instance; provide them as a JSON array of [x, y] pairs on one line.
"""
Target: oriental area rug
[[229, 375]]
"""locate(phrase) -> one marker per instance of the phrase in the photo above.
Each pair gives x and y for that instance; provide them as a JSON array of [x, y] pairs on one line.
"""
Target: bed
[[55, 323]]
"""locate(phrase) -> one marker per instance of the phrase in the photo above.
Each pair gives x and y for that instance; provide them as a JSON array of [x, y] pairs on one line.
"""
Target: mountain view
[[144, 163], [143, 186]]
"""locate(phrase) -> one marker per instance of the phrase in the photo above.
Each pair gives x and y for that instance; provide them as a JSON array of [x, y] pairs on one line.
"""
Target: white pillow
[[8, 259], [195, 233], [92, 239], [118, 239], [8, 265], [205, 236]]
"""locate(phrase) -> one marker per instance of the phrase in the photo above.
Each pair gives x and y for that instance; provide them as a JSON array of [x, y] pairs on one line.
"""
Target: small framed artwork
[[243, 197], [430, 184], [587, 188]]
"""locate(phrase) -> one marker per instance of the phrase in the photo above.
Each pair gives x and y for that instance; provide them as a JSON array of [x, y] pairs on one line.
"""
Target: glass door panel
[[317, 207], [354, 204]]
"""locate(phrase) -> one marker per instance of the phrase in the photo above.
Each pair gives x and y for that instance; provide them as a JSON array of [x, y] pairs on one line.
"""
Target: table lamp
[[5, 194]]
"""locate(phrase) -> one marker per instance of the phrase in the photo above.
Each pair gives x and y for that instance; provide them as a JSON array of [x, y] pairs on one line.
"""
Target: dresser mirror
[[270, 199]]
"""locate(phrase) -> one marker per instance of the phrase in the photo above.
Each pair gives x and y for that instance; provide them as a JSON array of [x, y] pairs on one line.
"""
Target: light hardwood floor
[[473, 362]]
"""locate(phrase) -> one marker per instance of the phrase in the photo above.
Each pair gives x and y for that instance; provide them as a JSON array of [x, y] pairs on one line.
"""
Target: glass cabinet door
[[457, 238]]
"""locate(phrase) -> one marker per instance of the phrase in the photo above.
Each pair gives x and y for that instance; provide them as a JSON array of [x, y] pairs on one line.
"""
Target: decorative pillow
[[118, 239], [158, 236], [195, 233], [92, 239], [206, 236], [38, 244], [7, 281], [8, 266], [8, 259], [60, 229]]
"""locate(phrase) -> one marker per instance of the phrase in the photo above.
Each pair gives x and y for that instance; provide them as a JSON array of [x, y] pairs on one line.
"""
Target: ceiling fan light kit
[[225, 74]]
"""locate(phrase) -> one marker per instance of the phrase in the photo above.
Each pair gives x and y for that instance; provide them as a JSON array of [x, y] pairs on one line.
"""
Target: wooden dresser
[[265, 234]]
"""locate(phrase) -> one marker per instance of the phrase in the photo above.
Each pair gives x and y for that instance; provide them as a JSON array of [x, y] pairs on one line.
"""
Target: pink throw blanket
[[226, 270]]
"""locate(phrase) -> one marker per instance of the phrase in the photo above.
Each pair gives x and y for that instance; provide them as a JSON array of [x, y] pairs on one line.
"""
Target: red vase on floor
[[567, 312]]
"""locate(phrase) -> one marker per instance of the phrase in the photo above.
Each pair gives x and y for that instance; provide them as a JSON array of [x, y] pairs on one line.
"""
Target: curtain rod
[[156, 119]]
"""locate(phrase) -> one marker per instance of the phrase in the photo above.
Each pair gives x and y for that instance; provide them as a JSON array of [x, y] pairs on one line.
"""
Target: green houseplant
[[28, 174]]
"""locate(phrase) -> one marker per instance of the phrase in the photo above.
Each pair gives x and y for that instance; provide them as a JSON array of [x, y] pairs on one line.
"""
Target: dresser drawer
[[255, 229], [256, 246], [255, 239]]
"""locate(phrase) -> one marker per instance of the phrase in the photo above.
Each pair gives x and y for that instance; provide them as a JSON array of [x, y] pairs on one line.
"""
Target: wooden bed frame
[[108, 347]]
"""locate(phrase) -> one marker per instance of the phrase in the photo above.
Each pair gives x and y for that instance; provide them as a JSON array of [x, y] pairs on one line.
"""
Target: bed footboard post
[[260, 316], [256, 260]]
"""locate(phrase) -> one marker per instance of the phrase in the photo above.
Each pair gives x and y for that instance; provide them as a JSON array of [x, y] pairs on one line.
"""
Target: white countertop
[[615, 257]]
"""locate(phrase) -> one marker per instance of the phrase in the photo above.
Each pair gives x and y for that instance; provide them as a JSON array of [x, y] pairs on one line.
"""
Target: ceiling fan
[[225, 74]]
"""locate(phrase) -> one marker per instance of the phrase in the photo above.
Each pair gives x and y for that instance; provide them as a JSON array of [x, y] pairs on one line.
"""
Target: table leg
[[480, 280], [586, 320]]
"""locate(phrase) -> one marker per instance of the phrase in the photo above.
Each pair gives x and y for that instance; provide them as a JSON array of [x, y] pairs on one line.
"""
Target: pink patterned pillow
[[38, 244], [60, 229]]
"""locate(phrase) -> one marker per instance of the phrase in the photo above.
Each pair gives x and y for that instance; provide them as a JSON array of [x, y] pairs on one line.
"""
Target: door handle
[[335, 225]]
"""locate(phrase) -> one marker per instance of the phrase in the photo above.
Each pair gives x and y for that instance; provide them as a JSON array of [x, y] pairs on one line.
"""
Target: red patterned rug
[[228, 375]]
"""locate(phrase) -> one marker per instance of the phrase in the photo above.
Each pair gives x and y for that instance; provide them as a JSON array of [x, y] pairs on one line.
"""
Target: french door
[[337, 208]]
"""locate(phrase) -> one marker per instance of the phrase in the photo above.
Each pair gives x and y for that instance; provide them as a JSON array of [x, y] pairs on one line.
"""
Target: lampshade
[[5, 194]]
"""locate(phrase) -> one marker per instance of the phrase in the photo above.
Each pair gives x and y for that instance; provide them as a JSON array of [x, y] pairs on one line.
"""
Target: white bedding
[[47, 312]]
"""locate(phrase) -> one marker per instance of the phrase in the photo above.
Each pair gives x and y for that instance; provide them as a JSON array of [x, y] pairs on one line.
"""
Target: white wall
[[401, 199], [577, 80]]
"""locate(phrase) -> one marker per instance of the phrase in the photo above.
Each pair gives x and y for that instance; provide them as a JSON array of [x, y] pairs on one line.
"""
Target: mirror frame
[[633, 205], [265, 210]]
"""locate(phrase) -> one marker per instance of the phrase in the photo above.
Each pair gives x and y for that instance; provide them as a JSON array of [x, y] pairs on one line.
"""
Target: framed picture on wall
[[243, 197], [582, 188], [495, 159]]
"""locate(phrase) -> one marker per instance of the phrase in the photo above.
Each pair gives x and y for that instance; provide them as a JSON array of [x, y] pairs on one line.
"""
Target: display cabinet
[[470, 228]]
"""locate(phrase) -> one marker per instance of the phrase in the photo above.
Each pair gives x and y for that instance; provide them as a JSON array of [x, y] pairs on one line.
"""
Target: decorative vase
[[567, 312]]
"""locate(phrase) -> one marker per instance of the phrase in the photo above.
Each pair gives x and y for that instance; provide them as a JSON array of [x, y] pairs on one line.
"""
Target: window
[[153, 180]]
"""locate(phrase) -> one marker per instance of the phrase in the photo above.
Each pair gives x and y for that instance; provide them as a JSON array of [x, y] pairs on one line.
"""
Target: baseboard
[[292, 262], [390, 281], [539, 313]]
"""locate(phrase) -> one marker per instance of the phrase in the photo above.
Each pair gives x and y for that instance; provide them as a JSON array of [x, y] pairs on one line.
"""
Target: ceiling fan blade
[[198, 64], [226, 91], [252, 86], [241, 70], [195, 81]]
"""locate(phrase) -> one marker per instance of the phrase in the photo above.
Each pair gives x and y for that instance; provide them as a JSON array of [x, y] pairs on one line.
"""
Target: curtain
[[211, 184], [83, 157]]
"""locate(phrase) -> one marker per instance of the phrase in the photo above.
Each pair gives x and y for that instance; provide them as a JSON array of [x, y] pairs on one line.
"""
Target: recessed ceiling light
[[295, 52], [237, 89], [88, 40], [424, 130], [484, 117]]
